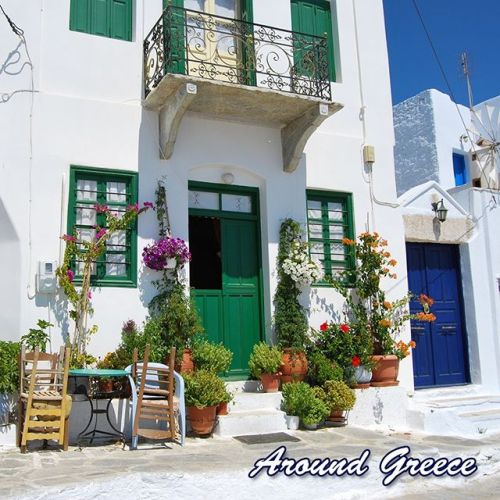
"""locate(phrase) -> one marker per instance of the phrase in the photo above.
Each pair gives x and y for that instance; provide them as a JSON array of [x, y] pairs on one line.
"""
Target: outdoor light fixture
[[440, 210], [227, 178]]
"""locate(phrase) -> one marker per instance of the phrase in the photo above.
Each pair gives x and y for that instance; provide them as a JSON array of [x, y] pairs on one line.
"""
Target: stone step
[[244, 386], [246, 401], [488, 414], [263, 421], [463, 401]]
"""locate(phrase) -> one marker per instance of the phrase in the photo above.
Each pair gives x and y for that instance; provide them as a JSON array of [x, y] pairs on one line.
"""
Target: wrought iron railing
[[211, 47]]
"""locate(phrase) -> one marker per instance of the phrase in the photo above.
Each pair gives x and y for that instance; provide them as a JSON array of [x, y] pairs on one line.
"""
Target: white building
[[290, 131], [438, 158]]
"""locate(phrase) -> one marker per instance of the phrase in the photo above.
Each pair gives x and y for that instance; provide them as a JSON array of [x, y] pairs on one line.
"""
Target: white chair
[[150, 398]]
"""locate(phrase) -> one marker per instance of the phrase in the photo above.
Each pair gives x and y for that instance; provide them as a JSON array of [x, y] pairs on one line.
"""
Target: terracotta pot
[[202, 420], [186, 365], [337, 416], [294, 367], [385, 373], [106, 385], [222, 408], [270, 381]]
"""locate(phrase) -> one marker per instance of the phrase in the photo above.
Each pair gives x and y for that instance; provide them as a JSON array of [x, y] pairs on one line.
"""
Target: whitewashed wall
[[87, 111]]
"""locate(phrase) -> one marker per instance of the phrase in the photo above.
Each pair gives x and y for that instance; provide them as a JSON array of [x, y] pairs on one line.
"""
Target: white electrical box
[[369, 154], [46, 278]]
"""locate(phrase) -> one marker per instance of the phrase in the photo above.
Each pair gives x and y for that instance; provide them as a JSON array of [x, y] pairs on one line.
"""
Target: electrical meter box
[[46, 277]]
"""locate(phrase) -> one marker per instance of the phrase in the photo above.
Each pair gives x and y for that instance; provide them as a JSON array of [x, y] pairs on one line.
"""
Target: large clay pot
[[294, 367], [385, 373], [270, 381], [202, 420], [186, 365], [222, 408]]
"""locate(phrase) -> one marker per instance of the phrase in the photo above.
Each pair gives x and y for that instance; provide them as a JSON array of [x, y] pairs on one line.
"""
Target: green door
[[225, 269], [174, 37], [313, 17]]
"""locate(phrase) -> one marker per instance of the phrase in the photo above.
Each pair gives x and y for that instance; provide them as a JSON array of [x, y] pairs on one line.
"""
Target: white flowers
[[299, 266]]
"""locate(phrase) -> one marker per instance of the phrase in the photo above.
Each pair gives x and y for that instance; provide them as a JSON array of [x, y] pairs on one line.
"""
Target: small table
[[94, 409]]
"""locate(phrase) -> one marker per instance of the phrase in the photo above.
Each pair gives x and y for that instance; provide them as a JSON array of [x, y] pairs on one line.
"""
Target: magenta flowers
[[70, 274], [156, 255], [100, 234]]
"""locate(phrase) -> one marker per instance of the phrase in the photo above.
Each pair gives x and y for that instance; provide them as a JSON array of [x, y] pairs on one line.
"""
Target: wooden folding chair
[[155, 398], [44, 404]]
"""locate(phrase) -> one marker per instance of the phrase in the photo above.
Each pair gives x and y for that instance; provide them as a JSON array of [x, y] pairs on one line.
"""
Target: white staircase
[[251, 412], [462, 411]]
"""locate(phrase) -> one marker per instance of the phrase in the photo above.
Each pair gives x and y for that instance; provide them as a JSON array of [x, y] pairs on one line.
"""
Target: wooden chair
[[156, 398], [44, 404]]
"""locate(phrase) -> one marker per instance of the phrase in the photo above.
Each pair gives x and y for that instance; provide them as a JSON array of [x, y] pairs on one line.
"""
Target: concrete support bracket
[[171, 115], [296, 134]]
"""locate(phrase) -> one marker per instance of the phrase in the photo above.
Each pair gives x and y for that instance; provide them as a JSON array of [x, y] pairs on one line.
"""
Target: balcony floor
[[236, 102]]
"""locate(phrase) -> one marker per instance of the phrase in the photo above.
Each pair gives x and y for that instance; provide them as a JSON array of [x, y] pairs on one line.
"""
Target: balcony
[[238, 70]]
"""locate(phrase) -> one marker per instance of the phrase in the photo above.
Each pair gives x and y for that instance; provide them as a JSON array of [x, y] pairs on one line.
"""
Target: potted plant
[[339, 398], [321, 369], [294, 396], [314, 409], [222, 407], [295, 270], [203, 391], [264, 363], [9, 380], [211, 357]]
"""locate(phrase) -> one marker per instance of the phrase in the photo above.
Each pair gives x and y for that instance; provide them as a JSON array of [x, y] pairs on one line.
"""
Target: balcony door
[[216, 41]]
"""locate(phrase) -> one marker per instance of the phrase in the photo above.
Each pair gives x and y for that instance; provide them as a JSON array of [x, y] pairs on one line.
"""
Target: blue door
[[439, 358]]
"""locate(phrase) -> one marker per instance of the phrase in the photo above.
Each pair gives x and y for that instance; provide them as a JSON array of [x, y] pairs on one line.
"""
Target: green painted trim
[[104, 175], [347, 200]]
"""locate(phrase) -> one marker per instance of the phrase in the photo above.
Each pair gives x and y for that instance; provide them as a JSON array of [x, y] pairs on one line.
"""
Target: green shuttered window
[[110, 18], [117, 189], [329, 219]]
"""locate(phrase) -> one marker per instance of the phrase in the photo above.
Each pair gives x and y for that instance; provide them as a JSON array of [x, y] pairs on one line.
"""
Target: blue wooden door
[[440, 356]]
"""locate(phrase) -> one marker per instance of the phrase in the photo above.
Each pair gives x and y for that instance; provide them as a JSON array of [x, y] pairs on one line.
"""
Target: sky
[[455, 26]]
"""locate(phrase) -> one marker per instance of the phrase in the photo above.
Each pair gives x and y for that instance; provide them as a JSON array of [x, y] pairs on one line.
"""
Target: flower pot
[[222, 408], [171, 263], [292, 422], [294, 367], [186, 365], [270, 382], [311, 427], [363, 377], [202, 420], [337, 418], [385, 373]]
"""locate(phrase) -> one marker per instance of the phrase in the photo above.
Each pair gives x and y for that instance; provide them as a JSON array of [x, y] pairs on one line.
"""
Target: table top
[[97, 372]]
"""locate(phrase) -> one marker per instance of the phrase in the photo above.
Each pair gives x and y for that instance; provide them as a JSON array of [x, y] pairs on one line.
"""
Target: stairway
[[462, 411], [251, 412]]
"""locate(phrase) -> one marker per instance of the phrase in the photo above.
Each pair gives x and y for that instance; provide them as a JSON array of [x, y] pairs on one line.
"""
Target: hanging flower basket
[[166, 253]]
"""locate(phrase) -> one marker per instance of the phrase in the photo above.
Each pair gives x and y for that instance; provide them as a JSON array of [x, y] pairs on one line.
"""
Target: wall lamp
[[440, 210]]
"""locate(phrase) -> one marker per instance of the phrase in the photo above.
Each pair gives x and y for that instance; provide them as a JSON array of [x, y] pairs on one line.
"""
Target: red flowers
[[101, 209], [324, 327], [356, 361], [344, 328]]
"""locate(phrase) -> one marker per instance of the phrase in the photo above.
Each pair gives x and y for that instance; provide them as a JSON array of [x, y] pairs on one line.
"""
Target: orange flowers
[[393, 262], [385, 323], [402, 349], [423, 316], [424, 299], [387, 305], [347, 241]]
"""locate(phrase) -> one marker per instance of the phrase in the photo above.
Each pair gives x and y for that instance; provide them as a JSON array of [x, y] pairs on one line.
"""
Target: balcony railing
[[232, 51]]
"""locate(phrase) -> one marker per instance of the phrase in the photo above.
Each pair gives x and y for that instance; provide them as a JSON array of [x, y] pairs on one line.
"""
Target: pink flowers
[[89, 295], [324, 327], [67, 237], [344, 328], [70, 274], [100, 234], [148, 204], [155, 256], [101, 209], [133, 208]]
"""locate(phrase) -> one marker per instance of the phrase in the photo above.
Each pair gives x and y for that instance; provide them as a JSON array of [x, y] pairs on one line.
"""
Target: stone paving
[[218, 468]]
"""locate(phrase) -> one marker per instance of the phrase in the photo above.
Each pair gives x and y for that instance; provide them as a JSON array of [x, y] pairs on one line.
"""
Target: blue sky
[[455, 26]]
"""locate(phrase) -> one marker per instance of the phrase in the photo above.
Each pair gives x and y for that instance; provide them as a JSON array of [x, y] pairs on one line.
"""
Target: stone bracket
[[296, 134], [171, 115]]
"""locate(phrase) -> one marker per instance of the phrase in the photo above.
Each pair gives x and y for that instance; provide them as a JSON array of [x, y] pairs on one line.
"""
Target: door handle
[[448, 330]]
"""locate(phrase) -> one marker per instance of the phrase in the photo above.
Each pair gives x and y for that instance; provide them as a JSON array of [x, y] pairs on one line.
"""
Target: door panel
[[209, 305], [434, 270]]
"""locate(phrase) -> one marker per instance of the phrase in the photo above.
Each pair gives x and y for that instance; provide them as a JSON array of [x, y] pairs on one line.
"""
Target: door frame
[[461, 307], [254, 216]]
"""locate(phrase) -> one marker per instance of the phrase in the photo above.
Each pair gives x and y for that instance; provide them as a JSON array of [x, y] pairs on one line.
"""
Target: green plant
[[290, 320], [338, 396], [9, 371], [204, 388], [211, 357], [265, 359], [322, 369], [294, 397], [81, 360], [227, 397], [315, 410], [37, 337]]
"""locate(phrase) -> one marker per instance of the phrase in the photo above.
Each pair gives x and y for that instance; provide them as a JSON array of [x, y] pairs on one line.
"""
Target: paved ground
[[218, 468]]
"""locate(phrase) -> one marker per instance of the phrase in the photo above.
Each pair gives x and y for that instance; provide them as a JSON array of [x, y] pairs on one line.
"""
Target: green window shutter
[[330, 219], [79, 15], [121, 19], [109, 18], [314, 18], [117, 189]]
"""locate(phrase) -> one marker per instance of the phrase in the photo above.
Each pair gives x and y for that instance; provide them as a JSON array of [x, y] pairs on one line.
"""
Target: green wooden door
[[240, 290], [314, 18]]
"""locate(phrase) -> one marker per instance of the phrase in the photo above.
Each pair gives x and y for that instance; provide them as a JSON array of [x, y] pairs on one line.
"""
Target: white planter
[[292, 422], [362, 375], [171, 263]]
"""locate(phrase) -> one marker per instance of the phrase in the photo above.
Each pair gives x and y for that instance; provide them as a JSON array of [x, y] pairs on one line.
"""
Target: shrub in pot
[[294, 397], [211, 357], [339, 399], [321, 369], [222, 407], [264, 363], [204, 390]]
